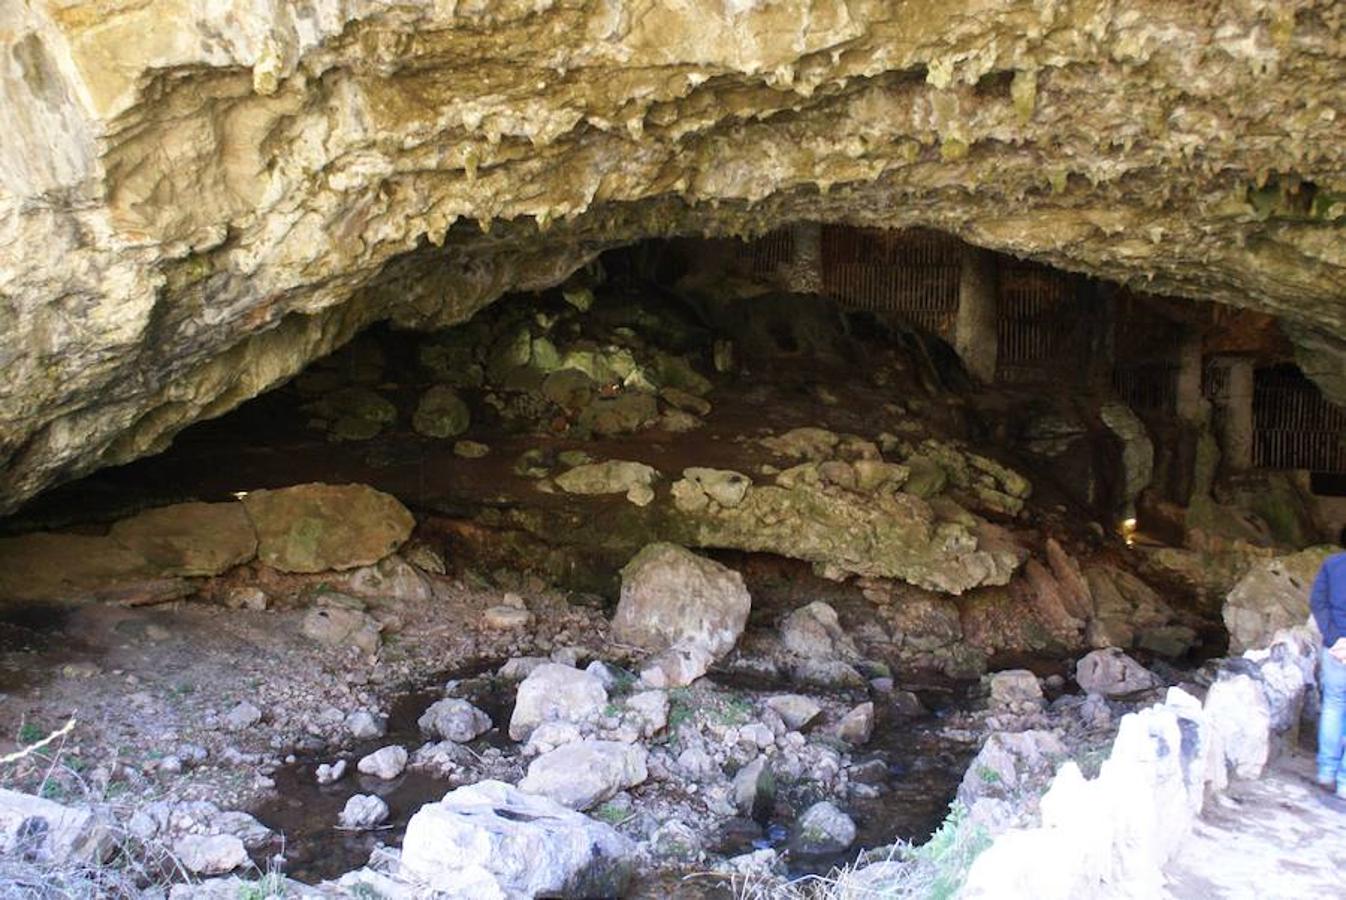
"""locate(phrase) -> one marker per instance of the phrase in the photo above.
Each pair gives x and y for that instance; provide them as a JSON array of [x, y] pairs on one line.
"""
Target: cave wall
[[196, 199]]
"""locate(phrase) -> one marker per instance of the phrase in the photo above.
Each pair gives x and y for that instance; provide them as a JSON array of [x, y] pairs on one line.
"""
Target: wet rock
[[906, 703], [490, 839], [322, 527], [857, 725], [672, 599], [331, 773], [583, 774], [553, 692], [441, 413], [190, 539], [815, 632], [337, 626], [1014, 688], [1112, 673], [816, 444], [45, 831], [385, 763], [363, 812], [755, 789], [364, 725], [612, 477], [1274, 594], [210, 854], [795, 710], [822, 830], [454, 720], [243, 715]]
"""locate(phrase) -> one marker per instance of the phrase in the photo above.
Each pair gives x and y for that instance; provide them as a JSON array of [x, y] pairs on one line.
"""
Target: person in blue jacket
[[1327, 600]]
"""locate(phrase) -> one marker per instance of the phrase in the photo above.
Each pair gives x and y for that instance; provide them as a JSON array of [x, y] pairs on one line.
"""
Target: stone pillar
[[805, 274], [1189, 404], [1237, 429], [975, 339]]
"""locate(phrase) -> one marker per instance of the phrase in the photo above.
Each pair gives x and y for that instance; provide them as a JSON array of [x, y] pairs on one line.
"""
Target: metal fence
[[911, 273], [1294, 426], [1039, 323]]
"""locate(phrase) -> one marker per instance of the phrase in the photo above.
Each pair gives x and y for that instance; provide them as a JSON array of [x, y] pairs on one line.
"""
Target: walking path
[[1278, 838]]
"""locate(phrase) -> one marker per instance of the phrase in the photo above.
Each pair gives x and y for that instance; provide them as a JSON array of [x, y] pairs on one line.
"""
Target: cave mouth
[[924, 460]]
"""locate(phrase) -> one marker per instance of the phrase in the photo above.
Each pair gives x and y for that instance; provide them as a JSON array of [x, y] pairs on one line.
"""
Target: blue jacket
[[1328, 598]]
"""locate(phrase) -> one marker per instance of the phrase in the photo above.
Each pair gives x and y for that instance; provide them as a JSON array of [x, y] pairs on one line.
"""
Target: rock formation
[[195, 202]]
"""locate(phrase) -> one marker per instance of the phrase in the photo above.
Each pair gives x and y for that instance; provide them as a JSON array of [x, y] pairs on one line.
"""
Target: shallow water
[[924, 769]]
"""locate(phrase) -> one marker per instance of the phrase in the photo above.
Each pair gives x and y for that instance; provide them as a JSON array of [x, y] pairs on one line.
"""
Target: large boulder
[[615, 476], [190, 538], [441, 413], [815, 632], [42, 830], [65, 568], [585, 773], [322, 527], [1274, 594], [1240, 716], [672, 598], [454, 720], [493, 840], [1112, 673], [555, 693]]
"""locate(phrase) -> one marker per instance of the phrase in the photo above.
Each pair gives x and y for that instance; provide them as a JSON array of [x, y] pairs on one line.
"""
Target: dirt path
[[1280, 837]]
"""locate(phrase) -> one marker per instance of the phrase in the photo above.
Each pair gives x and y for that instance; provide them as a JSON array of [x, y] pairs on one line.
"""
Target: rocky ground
[[285, 680]]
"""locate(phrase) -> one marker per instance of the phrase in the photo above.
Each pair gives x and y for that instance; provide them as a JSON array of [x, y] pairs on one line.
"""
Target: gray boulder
[[1112, 673], [386, 763], [553, 693], [363, 812], [673, 599], [491, 839], [821, 830], [815, 632], [454, 720], [210, 854], [585, 773], [41, 829]]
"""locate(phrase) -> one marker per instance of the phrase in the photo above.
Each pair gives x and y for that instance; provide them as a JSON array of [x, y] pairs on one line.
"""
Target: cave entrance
[[919, 460]]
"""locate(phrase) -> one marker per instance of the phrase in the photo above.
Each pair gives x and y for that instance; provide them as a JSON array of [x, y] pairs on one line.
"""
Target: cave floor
[[1278, 837]]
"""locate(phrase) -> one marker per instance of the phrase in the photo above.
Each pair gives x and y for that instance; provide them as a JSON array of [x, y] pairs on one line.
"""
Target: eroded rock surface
[[197, 203]]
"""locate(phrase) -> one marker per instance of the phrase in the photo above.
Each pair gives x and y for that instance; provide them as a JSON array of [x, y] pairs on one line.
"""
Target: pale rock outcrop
[[583, 774], [555, 693], [493, 840], [683, 607], [455, 720], [39, 829]]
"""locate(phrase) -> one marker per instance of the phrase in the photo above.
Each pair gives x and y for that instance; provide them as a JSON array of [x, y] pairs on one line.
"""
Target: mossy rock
[[441, 413]]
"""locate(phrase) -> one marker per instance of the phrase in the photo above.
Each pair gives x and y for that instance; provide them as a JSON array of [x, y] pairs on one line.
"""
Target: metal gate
[[912, 273], [1294, 426]]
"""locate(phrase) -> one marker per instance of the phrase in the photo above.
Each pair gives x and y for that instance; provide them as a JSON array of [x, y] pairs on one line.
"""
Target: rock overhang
[[198, 203]]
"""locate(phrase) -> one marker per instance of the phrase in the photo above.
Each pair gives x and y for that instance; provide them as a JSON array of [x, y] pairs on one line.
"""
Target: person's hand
[[1338, 650]]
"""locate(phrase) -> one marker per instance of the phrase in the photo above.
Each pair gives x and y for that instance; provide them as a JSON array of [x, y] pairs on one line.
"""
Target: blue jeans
[[1332, 676]]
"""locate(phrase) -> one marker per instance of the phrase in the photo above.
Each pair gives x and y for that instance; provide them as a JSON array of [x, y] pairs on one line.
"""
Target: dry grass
[[131, 869]]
